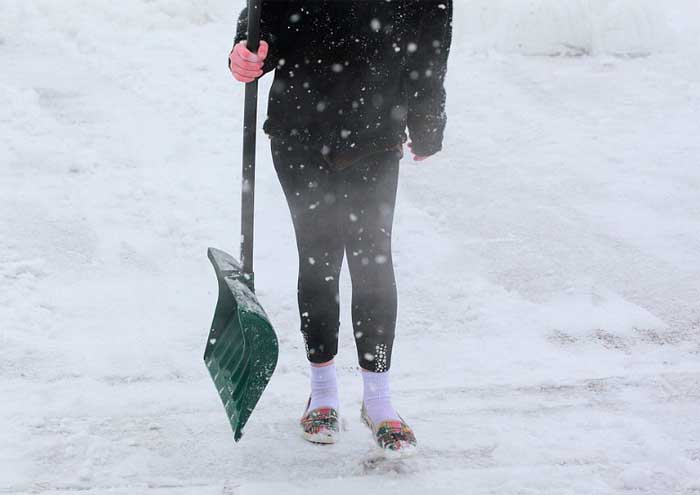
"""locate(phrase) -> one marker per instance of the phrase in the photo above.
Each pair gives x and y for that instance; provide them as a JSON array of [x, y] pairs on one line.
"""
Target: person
[[350, 77]]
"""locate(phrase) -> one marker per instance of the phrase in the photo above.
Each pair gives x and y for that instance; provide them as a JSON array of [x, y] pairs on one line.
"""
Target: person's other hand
[[245, 65], [417, 158]]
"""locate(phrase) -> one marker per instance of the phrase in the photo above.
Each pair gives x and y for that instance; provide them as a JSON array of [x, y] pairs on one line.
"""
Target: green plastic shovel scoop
[[241, 353]]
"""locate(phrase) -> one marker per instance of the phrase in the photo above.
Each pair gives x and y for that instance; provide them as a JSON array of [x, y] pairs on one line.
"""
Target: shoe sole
[[405, 452], [320, 438]]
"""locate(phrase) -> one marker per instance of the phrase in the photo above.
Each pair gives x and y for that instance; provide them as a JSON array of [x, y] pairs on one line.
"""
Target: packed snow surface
[[548, 260]]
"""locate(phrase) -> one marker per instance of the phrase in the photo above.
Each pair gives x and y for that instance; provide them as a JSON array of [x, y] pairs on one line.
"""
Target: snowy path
[[548, 265]]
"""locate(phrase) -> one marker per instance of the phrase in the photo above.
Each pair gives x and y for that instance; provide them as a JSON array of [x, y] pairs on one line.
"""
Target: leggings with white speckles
[[336, 212]]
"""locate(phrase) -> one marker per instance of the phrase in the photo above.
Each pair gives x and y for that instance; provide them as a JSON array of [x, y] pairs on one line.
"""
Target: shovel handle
[[249, 128]]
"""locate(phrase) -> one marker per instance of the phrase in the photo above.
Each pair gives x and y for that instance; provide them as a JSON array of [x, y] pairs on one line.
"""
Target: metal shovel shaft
[[249, 135]]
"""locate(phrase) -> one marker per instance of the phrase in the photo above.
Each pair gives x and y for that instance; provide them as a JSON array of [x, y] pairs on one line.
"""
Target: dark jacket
[[351, 75]]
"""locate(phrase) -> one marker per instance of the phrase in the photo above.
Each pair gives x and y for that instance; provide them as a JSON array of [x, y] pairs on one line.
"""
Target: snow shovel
[[241, 353]]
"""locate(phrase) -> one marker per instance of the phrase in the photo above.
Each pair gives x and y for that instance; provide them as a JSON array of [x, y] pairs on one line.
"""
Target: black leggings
[[334, 212]]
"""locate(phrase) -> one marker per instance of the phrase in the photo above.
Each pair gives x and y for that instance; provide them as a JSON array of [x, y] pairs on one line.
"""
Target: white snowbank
[[22, 18], [575, 27], [532, 27]]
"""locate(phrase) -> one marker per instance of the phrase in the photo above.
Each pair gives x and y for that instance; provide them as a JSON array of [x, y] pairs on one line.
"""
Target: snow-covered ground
[[548, 261]]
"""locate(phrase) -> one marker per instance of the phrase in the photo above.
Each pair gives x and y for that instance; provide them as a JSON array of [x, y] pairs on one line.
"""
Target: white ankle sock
[[324, 387], [377, 397]]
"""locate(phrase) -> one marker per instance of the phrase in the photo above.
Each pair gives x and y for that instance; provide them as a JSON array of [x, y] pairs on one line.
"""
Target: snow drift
[[577, 27], [531, 27]]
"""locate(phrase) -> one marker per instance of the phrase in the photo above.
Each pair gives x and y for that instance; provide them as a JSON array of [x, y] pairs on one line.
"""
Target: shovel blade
[[242, 349]]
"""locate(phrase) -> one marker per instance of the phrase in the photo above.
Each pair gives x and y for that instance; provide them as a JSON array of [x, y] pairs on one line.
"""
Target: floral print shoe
[[320, 425], [393, 436]]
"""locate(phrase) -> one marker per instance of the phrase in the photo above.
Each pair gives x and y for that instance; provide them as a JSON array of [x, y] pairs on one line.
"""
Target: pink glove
[[245, 65], [416, 158]]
